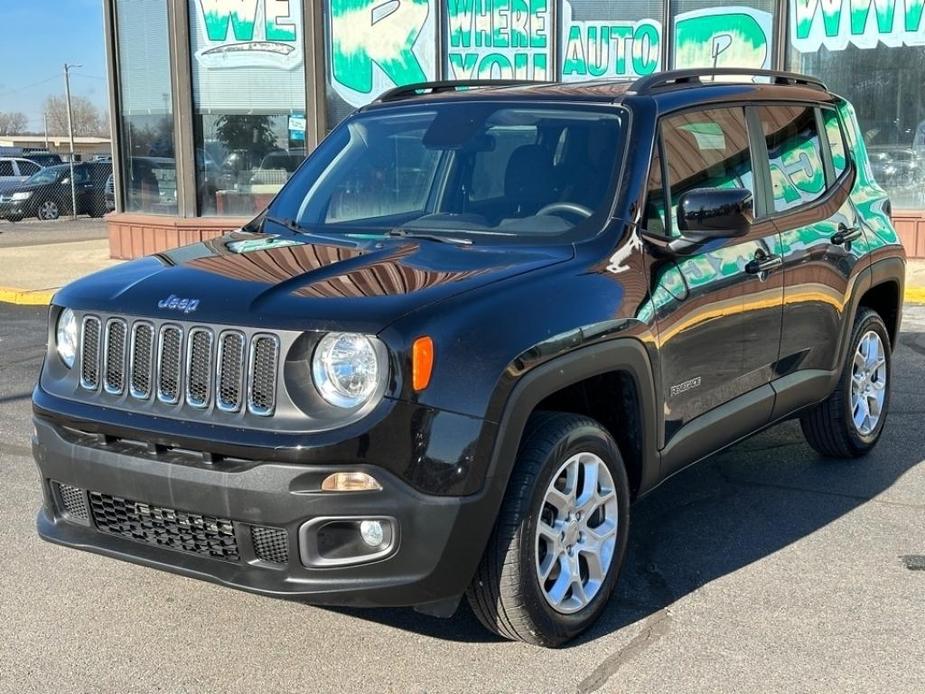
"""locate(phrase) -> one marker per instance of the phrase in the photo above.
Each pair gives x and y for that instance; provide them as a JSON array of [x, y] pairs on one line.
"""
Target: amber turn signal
[[422, 362]]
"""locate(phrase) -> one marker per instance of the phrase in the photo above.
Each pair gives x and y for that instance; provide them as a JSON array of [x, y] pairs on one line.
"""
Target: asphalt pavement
[[34, 232], [762, 569]]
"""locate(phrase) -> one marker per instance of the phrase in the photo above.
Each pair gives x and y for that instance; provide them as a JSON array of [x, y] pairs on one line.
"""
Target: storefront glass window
[[248, 99], [605, 39], [149, 171], [372, 46], [874, 59], [499, 39], [723, 33]]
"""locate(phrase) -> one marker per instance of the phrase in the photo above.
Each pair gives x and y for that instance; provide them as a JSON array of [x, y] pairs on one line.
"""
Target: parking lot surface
[[34, 232], [762, 569]]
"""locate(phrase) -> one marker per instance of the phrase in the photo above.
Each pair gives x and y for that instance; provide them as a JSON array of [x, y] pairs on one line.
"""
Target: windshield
[[49, 175], [474, 169]]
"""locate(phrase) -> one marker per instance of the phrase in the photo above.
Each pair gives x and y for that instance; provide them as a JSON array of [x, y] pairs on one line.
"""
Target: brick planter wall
[[134, 235], [910, 225]]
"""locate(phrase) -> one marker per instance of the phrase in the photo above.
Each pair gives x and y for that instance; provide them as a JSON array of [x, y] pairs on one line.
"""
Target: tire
[[506, 593], [833, 428], [48, 210]]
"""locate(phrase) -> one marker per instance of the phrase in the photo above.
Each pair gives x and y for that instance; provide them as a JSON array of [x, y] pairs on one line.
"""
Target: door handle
[[763, 263], [846, 234]]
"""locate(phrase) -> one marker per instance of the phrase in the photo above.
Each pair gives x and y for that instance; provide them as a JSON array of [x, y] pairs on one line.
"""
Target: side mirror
[[709, 213]]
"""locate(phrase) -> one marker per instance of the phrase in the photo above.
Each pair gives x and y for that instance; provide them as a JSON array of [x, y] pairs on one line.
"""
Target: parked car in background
[[277, 167], [47, 194], [16, 169], [43, 158]]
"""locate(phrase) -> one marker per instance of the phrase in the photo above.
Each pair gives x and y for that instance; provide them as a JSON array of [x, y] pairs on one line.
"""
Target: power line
[[28, 86]]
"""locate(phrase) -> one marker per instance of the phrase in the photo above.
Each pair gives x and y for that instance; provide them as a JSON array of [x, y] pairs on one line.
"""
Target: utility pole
[[45, 119], [70, 132]]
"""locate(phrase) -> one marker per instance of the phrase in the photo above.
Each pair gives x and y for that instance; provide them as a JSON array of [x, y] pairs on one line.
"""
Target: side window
[[6, 168], [27, 168], [706, 149], [797, 173], [836, 141]]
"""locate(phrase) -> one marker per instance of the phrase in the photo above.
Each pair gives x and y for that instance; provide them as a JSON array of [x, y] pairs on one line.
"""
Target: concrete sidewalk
[[30, 274]]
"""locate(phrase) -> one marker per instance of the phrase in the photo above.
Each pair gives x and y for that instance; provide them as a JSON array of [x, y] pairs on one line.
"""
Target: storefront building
[[218, 101]]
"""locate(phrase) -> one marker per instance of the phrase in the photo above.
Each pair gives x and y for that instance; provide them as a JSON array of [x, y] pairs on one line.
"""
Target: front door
[[718, 311]]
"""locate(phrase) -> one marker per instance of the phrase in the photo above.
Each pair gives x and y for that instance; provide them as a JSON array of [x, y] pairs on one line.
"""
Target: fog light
[[350, 482], [372, 532]]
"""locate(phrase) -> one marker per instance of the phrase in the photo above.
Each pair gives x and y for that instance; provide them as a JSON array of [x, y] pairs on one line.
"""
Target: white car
[[16, 169]]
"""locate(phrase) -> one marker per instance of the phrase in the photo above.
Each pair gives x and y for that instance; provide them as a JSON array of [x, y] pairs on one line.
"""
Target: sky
[[39, 36]]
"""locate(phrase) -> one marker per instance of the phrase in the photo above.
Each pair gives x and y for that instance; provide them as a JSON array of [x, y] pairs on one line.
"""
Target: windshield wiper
[[305, 231], [405, 234]]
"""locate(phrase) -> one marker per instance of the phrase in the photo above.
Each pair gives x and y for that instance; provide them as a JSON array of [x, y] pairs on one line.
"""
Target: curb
[[915, 295], [26, 297]]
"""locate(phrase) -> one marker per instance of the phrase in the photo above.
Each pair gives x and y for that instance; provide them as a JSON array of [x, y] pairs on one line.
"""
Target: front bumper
[[438, 545], [14, 210]]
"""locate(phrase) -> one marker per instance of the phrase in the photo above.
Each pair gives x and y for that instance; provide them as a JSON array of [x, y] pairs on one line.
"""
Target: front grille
[[262, 390], [207, 536], [169, 361], [229, 392], [199, 367], [270, 544], [233, 372], [90, 353], [142, 360], [72, 501], [114, 367]]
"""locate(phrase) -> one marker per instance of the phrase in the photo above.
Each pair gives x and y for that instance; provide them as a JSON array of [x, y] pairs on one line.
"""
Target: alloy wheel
[[868, 383], [49, 210], [577, 533]]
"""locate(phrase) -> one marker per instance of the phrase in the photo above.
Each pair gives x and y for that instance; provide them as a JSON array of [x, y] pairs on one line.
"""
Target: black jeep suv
[[475, 325]]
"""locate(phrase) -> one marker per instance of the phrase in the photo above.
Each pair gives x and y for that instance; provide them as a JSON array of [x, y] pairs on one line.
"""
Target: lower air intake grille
[[206, 536], [72, 501], [270, 544]]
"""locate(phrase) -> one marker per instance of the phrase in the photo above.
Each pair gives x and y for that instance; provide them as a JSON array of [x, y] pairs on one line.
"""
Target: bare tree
[[88, 120], [13, 123]]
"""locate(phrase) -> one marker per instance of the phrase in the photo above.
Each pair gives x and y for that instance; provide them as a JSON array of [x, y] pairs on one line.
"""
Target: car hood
[[290, 282]]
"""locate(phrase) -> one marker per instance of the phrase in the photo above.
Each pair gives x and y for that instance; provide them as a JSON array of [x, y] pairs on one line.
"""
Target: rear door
[[822, 242], [718, 311]]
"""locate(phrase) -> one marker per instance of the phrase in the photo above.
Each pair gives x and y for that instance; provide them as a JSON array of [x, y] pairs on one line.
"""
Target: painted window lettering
[[498, 39]]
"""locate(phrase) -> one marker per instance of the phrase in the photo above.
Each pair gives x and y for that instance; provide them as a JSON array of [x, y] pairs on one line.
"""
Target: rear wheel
[[48, 210], [849, 423], [559, 542]]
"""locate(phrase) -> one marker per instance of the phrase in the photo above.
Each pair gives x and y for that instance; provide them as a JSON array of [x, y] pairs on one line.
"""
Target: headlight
[[346, 369], [66, 337], [22, 196]]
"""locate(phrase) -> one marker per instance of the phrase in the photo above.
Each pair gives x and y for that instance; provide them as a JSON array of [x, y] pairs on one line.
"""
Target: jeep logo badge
[[175, 303]]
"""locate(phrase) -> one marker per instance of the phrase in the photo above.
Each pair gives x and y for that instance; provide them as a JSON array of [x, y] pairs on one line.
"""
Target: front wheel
[[49, 210], [560, 538], [849, 422]]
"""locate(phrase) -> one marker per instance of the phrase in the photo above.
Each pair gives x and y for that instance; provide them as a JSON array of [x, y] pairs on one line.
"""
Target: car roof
[[677, 86]]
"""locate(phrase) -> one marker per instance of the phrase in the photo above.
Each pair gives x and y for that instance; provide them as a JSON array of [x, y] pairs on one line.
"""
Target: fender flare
[[621, 354]]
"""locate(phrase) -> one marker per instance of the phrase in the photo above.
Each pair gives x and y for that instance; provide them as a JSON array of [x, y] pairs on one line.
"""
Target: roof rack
[[645, 85], [420, 88]]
